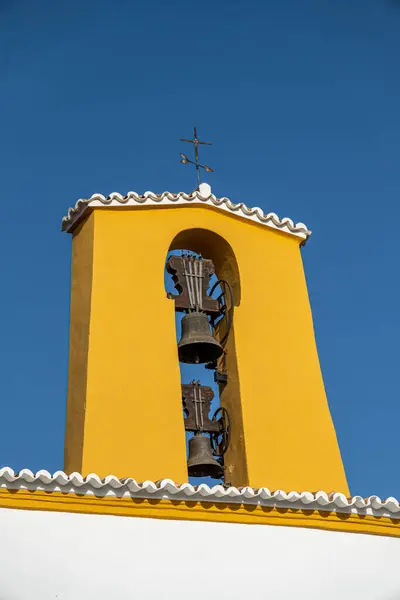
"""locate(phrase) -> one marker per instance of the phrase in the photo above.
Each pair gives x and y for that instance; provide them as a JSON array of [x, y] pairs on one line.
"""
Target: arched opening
[[223, 379]]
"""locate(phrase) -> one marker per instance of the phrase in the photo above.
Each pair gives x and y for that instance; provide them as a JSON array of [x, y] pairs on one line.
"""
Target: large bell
[[201, 462], [197, 345]]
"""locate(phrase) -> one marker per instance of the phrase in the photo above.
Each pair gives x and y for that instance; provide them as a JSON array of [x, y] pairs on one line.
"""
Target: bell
[[201, 462], [197, 345]]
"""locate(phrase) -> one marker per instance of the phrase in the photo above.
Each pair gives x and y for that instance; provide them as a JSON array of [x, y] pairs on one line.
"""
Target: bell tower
[[124, 406]]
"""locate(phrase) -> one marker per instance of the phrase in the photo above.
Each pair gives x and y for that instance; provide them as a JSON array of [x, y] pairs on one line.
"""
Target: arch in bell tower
[[213, 246]]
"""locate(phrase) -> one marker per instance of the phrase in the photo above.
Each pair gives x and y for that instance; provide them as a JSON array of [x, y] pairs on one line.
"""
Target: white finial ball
[[205, 190]]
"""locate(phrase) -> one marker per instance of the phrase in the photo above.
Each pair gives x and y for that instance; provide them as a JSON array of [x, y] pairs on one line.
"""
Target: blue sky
[[301, 100]]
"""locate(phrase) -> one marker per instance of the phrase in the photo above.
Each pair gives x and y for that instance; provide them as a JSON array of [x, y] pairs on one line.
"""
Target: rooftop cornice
[[201, 196], [167, 489]]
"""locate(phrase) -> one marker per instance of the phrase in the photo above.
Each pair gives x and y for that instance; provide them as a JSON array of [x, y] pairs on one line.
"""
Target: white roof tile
[[167, 489], [202, 196]]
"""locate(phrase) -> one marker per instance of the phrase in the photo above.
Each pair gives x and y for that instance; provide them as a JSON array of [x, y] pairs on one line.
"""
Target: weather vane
[[185, 160]]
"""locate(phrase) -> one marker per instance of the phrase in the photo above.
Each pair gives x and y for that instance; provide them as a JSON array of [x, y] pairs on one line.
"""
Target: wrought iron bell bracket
[[220, 374], [196, 400]]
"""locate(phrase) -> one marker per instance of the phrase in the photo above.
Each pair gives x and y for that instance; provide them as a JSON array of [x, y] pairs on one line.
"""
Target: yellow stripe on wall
[[198, 511]]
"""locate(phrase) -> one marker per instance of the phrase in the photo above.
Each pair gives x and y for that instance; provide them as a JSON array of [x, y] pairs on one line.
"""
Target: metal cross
[[185, 159]]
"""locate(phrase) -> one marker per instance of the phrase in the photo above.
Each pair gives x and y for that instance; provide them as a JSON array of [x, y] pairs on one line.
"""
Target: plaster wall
[[64, 556], [127, 404]]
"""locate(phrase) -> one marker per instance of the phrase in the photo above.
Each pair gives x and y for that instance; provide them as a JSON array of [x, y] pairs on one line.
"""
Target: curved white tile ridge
[[167, 489], [201, 196]]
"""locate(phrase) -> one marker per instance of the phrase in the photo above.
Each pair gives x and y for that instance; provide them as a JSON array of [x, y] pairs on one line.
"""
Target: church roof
[[202, 196], [167, 489]]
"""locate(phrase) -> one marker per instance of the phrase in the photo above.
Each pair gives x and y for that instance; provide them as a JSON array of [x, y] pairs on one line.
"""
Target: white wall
[[70, 557]]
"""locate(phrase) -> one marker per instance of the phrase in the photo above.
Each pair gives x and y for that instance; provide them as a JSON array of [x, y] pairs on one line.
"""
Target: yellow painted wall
[[81, 288], [133, 424]]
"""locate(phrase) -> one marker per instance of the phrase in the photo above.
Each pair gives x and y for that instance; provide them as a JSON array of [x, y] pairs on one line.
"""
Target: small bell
[[201, 462], [197, 345]]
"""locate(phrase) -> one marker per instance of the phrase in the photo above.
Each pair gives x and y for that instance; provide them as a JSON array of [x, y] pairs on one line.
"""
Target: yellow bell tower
[[124, 408]]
